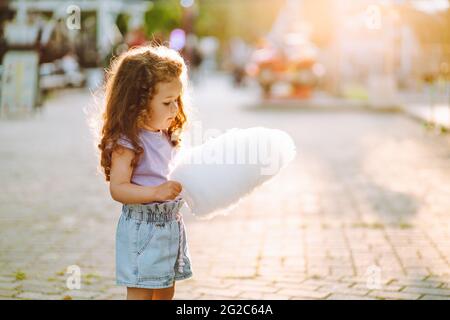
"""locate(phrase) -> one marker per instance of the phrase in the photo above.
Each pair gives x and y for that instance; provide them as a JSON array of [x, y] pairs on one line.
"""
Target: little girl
[[140, 135]]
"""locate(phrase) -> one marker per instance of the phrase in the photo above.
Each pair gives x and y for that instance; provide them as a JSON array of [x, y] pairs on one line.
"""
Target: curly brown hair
[[130, 85]]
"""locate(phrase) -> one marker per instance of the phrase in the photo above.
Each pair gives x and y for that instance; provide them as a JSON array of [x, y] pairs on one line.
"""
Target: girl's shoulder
[[124, 141], [147, 138]]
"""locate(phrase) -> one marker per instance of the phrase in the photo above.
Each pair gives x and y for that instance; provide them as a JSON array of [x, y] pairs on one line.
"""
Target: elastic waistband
[[153, 212]]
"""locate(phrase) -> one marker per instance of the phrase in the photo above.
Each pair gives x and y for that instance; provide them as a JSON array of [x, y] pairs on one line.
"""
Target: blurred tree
[[6, 13], [163, 17], [249, 20], [431, 28], [122, 22]]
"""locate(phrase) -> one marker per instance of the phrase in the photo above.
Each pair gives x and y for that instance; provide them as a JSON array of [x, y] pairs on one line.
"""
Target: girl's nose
[[174, 106]]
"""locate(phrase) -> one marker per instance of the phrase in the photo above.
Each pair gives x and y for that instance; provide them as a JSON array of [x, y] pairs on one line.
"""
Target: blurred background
[[362, 86], [380, 53]]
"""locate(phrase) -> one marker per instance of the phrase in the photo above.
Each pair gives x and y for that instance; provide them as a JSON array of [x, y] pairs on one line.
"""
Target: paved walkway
[[363, 212], [420, 106]]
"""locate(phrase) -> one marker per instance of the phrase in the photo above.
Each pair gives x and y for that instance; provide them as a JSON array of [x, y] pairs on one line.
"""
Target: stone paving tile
[[391, 295], [208, 297], [216, 291], [81, 294], [364, 286], [340, 296], [434, 297], [433, 291], [37, 296], [275, 296], [302, 293], [347, 206], [7, 293]]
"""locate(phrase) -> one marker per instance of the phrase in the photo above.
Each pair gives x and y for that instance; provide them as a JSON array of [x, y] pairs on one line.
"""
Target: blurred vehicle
[[292, 62], [239, 55], [287, 58], [61, 73]]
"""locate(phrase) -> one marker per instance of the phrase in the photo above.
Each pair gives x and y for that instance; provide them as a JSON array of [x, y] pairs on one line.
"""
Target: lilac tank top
[[155, 163]]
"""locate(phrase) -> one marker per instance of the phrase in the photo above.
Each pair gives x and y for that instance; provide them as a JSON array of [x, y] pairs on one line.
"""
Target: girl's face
[[164, 106]]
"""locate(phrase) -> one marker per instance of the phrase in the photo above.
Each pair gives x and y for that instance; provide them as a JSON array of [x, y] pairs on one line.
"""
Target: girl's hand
[[168, 190]]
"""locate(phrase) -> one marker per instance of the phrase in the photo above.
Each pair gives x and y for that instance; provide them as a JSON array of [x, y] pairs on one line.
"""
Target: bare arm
[[120, 187], [122, 190]]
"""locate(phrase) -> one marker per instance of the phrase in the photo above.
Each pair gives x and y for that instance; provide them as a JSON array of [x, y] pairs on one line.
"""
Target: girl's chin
[[156, 128]]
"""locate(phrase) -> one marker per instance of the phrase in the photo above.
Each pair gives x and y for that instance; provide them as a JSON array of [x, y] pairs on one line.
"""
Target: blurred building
[[51, 44], [371, 49], [87, 27], [378, 44]]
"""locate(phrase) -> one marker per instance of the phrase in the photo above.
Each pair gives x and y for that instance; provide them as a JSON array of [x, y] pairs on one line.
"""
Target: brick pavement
[[366, 199]]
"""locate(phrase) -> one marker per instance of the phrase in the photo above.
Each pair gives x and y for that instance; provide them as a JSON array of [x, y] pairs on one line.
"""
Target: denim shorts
[[151, 245]]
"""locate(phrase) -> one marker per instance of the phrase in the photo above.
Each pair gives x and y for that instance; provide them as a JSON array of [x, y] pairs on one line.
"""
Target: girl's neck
[[148, 128]]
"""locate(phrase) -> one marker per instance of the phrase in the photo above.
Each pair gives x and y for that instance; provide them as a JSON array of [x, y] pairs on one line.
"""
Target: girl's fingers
[[177, 184]]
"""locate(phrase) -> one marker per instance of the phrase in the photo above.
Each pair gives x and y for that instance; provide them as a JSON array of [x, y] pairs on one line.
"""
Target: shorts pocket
[[145, 233], [155, 259]]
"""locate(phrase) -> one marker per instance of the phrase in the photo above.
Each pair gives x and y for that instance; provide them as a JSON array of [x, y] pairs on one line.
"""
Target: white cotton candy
[[220, 172]]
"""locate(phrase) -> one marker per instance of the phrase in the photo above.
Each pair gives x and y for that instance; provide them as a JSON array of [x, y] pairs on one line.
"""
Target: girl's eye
[[168, 103]]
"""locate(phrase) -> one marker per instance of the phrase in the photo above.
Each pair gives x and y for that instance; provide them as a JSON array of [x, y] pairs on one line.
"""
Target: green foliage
[[163, 17], [122, 22], [249, 19], [20, 275]]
